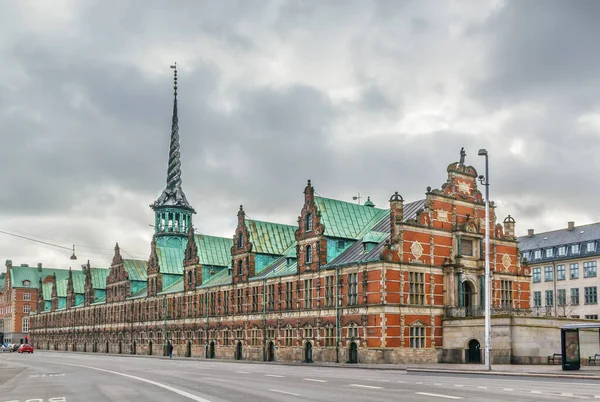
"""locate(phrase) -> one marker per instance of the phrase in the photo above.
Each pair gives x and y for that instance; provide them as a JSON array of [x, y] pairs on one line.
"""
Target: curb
[[502, 373]]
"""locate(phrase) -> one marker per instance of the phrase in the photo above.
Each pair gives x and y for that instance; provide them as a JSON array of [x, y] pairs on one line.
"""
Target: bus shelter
[[580, 341]]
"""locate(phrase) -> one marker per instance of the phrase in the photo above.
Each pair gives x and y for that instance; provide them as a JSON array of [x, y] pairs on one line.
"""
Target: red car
[[26, 348]]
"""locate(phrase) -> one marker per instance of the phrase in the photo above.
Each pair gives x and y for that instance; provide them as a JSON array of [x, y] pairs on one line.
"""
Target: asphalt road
[[61, 377]]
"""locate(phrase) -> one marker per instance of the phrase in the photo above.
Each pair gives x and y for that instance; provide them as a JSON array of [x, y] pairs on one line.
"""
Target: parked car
[[16, 347], [5, 348], [25, 348]]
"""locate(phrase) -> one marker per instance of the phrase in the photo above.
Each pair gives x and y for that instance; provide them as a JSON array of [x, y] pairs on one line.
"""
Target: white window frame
[[590, 247], [26, 308], [537, 254], [575, 248], [562, 251], [25, 324], [26, 296]]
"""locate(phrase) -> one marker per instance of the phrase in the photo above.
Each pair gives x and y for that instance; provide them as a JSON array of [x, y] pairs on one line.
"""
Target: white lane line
[[158, 384], [364, 386], [566, 394], [507, 389], [242, 372], [314, 379], [482, 387], [274, 375], [438, 395], [533, 391], [458, 385], [437, 383], [284, 392]]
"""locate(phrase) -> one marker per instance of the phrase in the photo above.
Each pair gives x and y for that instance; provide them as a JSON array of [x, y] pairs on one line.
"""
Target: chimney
[[571, 225], [39, 265], [529, 232]]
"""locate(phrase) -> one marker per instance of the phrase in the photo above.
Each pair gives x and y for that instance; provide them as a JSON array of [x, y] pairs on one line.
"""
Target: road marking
[[437, 383], [274, 375], [284, 392], [482, 387], [364, 386], [242, 372], [439, 396], [533, 391], [314, 379], [566, 394], [507, 389], [458, 385], [158, 384]]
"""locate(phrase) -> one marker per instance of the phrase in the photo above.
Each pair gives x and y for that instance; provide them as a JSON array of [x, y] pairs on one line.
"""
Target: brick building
[[349, 282]]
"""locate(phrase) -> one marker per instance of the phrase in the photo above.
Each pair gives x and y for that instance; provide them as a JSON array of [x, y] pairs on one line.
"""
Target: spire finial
[[174, 67], [174, 171]]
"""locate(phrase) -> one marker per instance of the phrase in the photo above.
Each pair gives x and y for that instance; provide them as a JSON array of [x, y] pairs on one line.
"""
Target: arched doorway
[[106, 347], [238, 351], [353, 353], [188, 349], [474, 352], [271, 352], [150, 348], [211, 350], [85, 346], [133, 348], [120, 347], [468, 298], [95, 347], [308, 358]]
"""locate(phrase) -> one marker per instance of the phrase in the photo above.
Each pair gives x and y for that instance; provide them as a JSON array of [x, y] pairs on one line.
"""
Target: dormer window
[[574, 248], [26, 284], [308, 255], [189, 278], [537, 254], [308, 222], [591, 247], [549, 252], [562, 251], [368, 247], [240, 240]]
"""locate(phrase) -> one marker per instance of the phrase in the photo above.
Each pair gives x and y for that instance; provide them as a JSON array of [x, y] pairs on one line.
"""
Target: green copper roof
[[33, 274], [278, 268], [140, 294], [61, 288], [374, 237], [47, 291], [170, 260], [221, 278], [175, 287], [213, 250], [135, 268], [291, 251], [79, 282], [99, 277], [345, 219], [369, 203], [270, 238]]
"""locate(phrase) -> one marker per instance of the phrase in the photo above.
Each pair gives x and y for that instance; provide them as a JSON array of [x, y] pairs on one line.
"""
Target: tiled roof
[[47, 290], [170, 260], [279, 268], [270, 238], [140, 294], [380, 232], [214, 250], [99, 277], [135, 268], [175, 287], [345, 219], [33, 275], [79, 282]]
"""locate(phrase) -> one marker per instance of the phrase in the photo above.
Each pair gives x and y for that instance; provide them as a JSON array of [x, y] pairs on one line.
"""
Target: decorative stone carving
[[463, 187], [416, 249], [506, 261], [442, 215]]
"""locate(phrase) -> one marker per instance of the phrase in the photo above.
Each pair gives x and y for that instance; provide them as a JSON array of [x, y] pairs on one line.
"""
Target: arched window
[[189, 278], [308, 256], [239, 264], [308, 222], [240, 240]]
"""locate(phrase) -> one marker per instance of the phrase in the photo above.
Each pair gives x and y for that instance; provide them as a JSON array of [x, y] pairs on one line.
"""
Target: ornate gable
[[118, 286], [311, 250], [89, 296], [191, 250], [309, 221], [153, 266], [241, 252]]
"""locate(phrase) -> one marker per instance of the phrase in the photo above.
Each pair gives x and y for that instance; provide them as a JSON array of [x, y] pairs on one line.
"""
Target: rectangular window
[[549, 298], [271, 333], [255, 336], [574, 248], [226, 302], [591, 247], [271, 297], [26, 308], [537, 254], [307, 293], [255, 298], [537, 299], [574, 270], [329, 336], [289, 295], [416, 287], [561, 297], [574, 296], [417, 337], [537, 275], [591, 317], [239, 300], [329, 291], [562, 251], [506, 294], [352, 332], [26, 296], [549, 252], [225, 337], [466, 248], [289, 336], [308, 332], [589, 269], [548, 274], [212, 304], [353, 289], [25, 324], [561, 272], [591, 295]]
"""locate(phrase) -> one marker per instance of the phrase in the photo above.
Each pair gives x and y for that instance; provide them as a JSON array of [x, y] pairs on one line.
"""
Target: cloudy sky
[[359, 96]]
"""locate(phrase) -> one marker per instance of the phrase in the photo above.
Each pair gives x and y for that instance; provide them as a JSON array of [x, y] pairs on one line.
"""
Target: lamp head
[[482, 152]]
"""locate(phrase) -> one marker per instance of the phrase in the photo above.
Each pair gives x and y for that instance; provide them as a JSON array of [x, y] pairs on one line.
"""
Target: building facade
[[347, 283], [564, 271]]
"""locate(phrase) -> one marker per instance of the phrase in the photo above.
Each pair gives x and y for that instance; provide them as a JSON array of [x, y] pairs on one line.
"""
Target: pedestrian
[[170, 349]]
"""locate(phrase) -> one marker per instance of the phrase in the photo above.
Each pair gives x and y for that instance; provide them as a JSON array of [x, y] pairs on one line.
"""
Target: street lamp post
[[488, 299]]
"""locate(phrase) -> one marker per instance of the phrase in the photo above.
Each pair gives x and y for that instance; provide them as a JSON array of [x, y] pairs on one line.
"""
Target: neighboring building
[[18, 297], [564, 270], [349, 282]]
